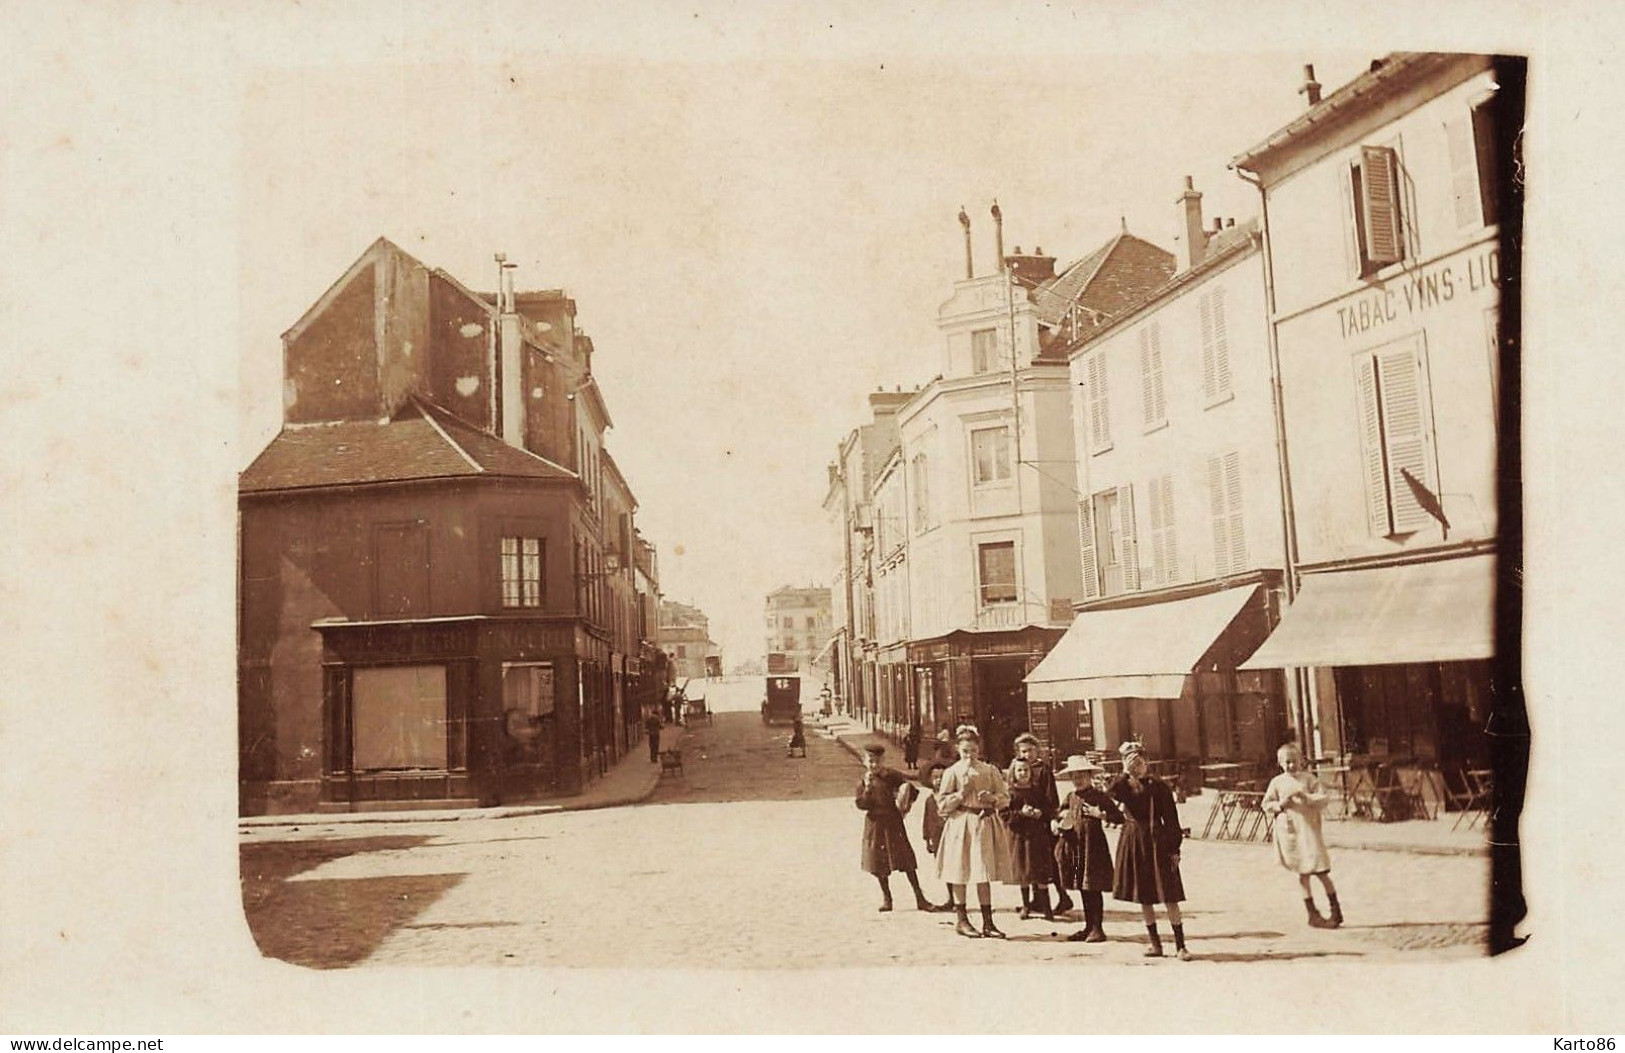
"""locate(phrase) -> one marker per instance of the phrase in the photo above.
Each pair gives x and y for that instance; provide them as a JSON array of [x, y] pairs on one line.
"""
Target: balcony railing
[[1001, 616]]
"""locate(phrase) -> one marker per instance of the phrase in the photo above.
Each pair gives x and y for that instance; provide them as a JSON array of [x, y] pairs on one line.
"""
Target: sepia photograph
[[698, 520]]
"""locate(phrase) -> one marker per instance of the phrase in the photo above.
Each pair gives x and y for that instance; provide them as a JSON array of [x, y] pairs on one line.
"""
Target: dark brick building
[[431, 582]]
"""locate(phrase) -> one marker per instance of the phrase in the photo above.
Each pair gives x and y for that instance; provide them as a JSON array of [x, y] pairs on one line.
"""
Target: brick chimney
[[1311, 87], [1031, 268], [1193, 239]]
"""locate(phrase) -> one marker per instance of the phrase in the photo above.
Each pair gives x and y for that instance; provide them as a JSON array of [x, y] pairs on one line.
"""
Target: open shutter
[[1405, 435], [1458, 137], [1217, 515], [1159, 551], [1235, 526], [1379, 191], [1131, 541], [1170, 542], [1221, 346], [1086, 548], [1210, 376], [1371, 453], [1351, 221]]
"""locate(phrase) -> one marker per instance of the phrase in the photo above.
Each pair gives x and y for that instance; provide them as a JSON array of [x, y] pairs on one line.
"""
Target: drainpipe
[[1300, 683]]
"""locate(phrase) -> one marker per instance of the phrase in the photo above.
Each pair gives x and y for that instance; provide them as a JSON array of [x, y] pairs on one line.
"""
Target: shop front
[[1162, 671], [1402, 659], [972, 676], [451, 712]]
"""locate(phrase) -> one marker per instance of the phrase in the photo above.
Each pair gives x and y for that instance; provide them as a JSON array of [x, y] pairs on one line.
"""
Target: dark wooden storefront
[[485, 710], [976, 677]]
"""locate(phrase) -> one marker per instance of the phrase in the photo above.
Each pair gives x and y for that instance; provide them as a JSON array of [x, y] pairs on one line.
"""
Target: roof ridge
[[440, 431], [435, 408]]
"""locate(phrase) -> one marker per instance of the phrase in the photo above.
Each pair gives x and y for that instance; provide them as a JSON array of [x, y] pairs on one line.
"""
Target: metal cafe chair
[[1461, 796]]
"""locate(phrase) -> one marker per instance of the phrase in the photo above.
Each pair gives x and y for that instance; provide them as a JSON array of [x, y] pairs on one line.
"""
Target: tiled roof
[[1107, 280], [421, 443]]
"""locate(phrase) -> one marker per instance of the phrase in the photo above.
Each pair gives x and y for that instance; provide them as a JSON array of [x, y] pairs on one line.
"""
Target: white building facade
[[1382, 208]]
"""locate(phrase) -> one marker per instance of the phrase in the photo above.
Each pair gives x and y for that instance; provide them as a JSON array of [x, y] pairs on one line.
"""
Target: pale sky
[[753, 245]]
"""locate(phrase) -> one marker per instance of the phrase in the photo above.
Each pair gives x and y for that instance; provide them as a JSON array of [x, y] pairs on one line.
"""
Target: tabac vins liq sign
[[1413, 294]]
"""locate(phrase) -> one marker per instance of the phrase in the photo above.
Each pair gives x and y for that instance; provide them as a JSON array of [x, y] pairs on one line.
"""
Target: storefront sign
[[1410, 295]]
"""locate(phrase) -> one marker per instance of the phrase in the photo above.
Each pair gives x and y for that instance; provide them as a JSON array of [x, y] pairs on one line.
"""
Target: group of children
[[984, 826]]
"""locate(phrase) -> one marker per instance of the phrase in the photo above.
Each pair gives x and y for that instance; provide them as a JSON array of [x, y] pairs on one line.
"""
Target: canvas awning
[[1135, 652], [1440, 611]]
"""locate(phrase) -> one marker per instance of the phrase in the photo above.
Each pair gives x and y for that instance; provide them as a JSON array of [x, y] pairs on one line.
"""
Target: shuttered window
[[1128, 540], [1470, 139], [1164, 545], [1378, 223], [1100, 432], [1086, 548], [1225, 514], [1153, 401], [1395, 440], [996, 571], [1215, 346]]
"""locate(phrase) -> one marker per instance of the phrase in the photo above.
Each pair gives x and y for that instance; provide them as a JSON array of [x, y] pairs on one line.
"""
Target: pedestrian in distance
[[1032, 855], [1296, 800], [651, 725], [911, 747], [883, 796], [1147, 870], [1029, 749], [975, 846], [798, 738], [1083, 859]]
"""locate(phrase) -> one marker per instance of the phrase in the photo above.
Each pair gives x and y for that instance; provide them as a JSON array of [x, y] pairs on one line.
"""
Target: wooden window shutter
[[1379, 193], [1086, 548], [1100, 433], [1351, 220], [1404, 427], [1372, 459], [1159, 550], [1131, 541], [1221, 346], [1236, 525], [1148, 411], [1458, 137], [1217, 515], [1170, 543], [1210, 376]]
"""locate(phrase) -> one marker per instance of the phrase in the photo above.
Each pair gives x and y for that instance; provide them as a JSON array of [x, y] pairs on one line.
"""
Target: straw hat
[[1077, 764]]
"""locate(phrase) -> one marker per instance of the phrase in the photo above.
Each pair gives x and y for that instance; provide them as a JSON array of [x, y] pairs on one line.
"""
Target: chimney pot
[[970, 266], [998, 232], [1230, 221], [1218, 224], [1311, 87], [1190, 213]]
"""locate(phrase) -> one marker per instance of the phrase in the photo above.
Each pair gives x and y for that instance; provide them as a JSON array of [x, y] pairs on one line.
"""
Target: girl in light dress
[[975, 846], [1296, 800]]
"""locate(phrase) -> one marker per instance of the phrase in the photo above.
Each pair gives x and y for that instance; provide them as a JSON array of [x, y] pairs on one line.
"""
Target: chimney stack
[[1311, 87], [998, 232], [970, 266], [1192, 234], [510, 397]]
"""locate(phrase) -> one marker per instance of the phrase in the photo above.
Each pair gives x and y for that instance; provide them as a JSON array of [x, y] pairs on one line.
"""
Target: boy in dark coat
[[885, 841], [1083, 859]]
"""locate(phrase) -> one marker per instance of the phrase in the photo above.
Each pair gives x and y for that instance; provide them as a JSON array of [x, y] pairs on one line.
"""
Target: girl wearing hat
[[1082, 857], [1296, 800], [975, 847], [885, 841], [1148, 851]]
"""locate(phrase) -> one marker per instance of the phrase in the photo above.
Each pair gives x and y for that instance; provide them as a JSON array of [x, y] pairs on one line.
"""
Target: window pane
[[997, 568], [400, 717]]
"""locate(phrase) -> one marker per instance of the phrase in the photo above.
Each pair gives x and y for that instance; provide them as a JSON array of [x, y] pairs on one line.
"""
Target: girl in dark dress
[[1082, 857], [885, 841], [1029, 749], [1148, 851], [1028, 816]]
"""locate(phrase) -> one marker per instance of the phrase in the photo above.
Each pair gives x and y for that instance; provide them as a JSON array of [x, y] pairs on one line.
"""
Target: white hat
[[1077, 764]]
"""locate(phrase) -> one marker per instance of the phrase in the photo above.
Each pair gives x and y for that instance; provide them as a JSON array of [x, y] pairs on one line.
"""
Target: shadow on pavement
[[326, 924], [738, 758]]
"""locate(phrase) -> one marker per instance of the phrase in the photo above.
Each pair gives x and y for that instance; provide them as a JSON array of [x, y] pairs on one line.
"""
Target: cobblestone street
[[749, 859]]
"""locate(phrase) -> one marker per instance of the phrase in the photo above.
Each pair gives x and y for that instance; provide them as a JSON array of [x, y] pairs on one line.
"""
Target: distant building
[[798, 626], [685, 637]]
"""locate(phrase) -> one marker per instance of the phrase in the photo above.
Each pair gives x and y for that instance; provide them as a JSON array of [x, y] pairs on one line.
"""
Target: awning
[[1135, 652], [1440, 611]]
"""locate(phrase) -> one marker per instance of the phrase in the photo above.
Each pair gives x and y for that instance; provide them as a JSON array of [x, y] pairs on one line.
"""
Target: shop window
[[521, 572], [1228, 522], [399, 718], [1378, 222], [996, 572], [527, 687], [1395, 440]]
